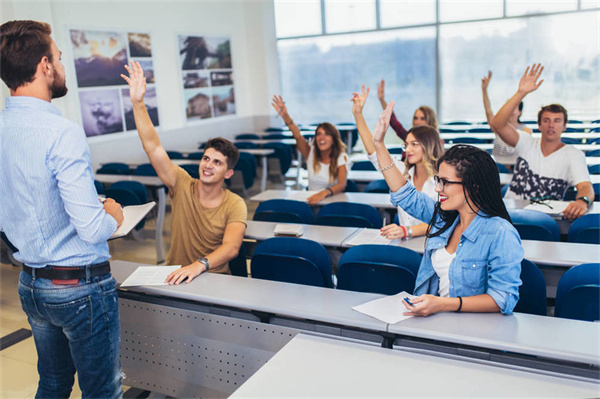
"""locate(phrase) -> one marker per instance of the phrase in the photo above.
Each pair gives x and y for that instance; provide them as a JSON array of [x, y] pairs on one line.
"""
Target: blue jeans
[[75, 328]]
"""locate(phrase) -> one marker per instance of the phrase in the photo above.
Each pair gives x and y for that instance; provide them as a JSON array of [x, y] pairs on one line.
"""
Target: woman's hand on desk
[[426, 305], [186, 273], [393, 231], [318, 197]]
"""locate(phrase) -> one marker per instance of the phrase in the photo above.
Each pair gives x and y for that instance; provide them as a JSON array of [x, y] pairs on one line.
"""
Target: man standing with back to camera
[[51, 213]]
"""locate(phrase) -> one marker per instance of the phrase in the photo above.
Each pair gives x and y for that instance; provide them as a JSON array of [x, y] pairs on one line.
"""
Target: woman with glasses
[[423, 148], [326, 158], [472, 258]]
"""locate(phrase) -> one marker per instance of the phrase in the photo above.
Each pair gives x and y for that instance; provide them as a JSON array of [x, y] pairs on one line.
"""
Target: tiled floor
[[18, 376]]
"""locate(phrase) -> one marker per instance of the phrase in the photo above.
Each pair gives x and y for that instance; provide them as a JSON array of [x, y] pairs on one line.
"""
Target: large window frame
[[437, 24]]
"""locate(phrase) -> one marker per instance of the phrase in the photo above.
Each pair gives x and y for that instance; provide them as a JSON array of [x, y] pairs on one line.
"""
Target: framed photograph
[[198, 103], [99, 57], [221, 78], [151, 105], [148, 68], [195, 79], [201, 52], [101, 111], [223, 101], [140, 45]]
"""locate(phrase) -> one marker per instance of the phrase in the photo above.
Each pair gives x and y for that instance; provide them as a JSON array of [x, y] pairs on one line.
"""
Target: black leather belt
[[52, 272]]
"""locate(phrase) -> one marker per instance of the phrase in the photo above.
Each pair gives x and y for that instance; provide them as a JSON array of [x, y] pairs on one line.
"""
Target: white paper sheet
[[550, 207], [369, 236], [388, 309], [149, 275], [295, 230], [132, 215], [301, 195]]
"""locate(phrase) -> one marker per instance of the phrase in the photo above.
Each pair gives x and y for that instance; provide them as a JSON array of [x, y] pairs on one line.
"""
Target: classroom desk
[[329, 236], [303, 368], [208, 337], [154, 183], [491, 136], [381, 201]]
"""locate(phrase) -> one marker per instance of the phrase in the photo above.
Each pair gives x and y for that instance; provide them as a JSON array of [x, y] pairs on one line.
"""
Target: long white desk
[[155, 184], [331, 236], [208, 337], [381, 201], [303, 368]]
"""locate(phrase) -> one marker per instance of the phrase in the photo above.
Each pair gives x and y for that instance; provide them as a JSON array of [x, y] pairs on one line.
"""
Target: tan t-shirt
[[197, 231]]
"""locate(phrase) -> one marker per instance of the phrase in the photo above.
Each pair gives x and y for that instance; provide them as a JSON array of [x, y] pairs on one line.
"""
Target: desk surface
[[376, 200], [305, 366], [331, 236], [151, 181]]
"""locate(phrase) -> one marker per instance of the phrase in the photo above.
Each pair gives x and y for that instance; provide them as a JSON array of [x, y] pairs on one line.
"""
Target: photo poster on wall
[[99, 58], [207, 76]]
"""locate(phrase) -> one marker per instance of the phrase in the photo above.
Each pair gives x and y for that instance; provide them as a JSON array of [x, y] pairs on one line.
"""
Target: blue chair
[[574, 130], [284, 211], [349, 214], [446, 130], [594, 169], [594, 141], [381, 269], [351, 187], [125, 197], [308, 136], [202, 146], [578, 293], [275, 136], [238, 265], [378, 186], [99, 187], [191, 169], [114, 168], [457, 123], [363, 165], [247, 136], [246, 173], [276, 129], [570, 140], [593, 153], [292, 260], [145, 169], [575, 121], [245, 145], [570, 194], [480, 130], [596, 187], [196, 155], [502, 168], [595, 129], [138, 188], [504, 189], [396, 151], [343, 128], [534, 225], [585, 229], [283, 154], [175, 155], [532, 293], [468, 140]]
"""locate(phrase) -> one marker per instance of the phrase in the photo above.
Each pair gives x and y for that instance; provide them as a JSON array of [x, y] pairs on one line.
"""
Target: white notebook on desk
[[550, 207], [132, 215], [289, 230], [369, 236]]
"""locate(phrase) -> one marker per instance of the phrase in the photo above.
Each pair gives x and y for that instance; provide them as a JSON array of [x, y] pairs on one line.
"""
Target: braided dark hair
[[481, 185]]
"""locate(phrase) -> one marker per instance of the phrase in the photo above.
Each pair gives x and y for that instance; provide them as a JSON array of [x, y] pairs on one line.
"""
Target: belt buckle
[[64, 282]]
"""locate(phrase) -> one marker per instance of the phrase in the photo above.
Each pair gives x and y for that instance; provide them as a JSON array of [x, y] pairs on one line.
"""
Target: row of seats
[[534, 225], [390, 269]]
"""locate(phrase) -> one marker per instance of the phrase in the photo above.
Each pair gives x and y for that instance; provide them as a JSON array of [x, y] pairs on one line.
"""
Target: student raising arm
[[472, 259]]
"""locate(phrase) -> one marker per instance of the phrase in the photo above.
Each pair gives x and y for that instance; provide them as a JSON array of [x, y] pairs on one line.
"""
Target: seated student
[[424, 116], [326, 158], [544, 168], [473, 254], [502, 152], [423, 149], [208, 221]]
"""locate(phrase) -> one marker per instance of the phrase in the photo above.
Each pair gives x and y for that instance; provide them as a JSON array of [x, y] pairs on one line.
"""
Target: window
[[464, 10], [297, 18], [349, 15], [523, 7], [404, 13]]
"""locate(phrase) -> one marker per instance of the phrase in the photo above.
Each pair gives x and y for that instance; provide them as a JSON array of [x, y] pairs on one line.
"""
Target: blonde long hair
[[430, 117], [429, 138], [337, 148]]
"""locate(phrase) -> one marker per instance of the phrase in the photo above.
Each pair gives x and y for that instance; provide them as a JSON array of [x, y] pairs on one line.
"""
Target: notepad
[[149, 275], [132, 215], [550, 207], [388, 309], [369, 236], [289, 230], [301, 195]]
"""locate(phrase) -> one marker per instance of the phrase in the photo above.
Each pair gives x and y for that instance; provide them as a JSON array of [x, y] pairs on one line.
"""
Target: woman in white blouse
[[326, 157], [423, 148]]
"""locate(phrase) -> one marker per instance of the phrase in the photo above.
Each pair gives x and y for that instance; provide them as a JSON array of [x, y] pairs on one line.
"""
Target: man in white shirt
[[544, 168]]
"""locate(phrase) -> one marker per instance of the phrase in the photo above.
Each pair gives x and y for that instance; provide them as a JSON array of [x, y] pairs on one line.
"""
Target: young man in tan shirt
[[208, 221]]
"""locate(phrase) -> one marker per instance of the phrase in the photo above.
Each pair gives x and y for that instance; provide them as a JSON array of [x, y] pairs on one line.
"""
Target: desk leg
[[263, 179], [160, 252], [349, 141], [299, 160]]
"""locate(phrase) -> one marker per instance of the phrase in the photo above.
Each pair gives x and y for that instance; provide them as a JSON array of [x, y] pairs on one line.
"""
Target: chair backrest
[[534, 225], [99, 187], [238, 265], [578, 293], [275, 136], [125, 197], [292, 260], [585, 229], [349, 214], [247, 136], [138, 188], [114, 168], [363, 165], [351, 187], [378, 186], [284, 211], [145, 169], [284, 153], [570, 140], [594, 169], [593, 153], [196, 155], [276, 129], [175, 155], [382, 269], [502, 168], [532, 292], [468, 140], [247, 166], [504, 189], [596, 187], [191, 169], [457, 123], [242, 145], [570, 194], [480, 130], [396, 151]]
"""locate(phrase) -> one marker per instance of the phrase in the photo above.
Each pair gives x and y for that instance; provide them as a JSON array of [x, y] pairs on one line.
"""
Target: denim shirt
[[488, 256]]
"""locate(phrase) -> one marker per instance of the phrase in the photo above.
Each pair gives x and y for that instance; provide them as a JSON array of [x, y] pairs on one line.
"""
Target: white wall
[[249, 23]]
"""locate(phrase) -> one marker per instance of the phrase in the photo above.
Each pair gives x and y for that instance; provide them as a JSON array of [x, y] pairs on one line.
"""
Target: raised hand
[[381, 90], [529, 80], [279, 105], [136, 82], [359, 100], [383, 123], [485, 81]]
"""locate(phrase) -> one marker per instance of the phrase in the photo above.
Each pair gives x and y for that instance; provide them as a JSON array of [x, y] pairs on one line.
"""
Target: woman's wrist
[[328, 192]]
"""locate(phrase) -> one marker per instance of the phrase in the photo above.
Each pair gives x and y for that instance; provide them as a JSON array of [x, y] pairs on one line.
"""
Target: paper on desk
[[551, 207], [388, 309], [132, 215], [301, 195], [149, 275], [295, 230], [368, 236]]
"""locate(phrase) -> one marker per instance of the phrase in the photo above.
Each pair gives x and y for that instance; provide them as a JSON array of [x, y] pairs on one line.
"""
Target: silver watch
[[409, 232], [204, 261]]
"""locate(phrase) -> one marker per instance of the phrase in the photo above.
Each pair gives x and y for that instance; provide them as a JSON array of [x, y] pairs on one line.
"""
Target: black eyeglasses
[[440, 180], [541, 201]]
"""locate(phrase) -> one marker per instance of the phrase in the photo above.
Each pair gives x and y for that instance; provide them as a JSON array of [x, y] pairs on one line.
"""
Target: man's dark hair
[[22, 46], [226, 148], [554, 108]]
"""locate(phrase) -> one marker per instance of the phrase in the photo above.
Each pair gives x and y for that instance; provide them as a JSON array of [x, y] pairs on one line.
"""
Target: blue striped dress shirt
[[49, 207]]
